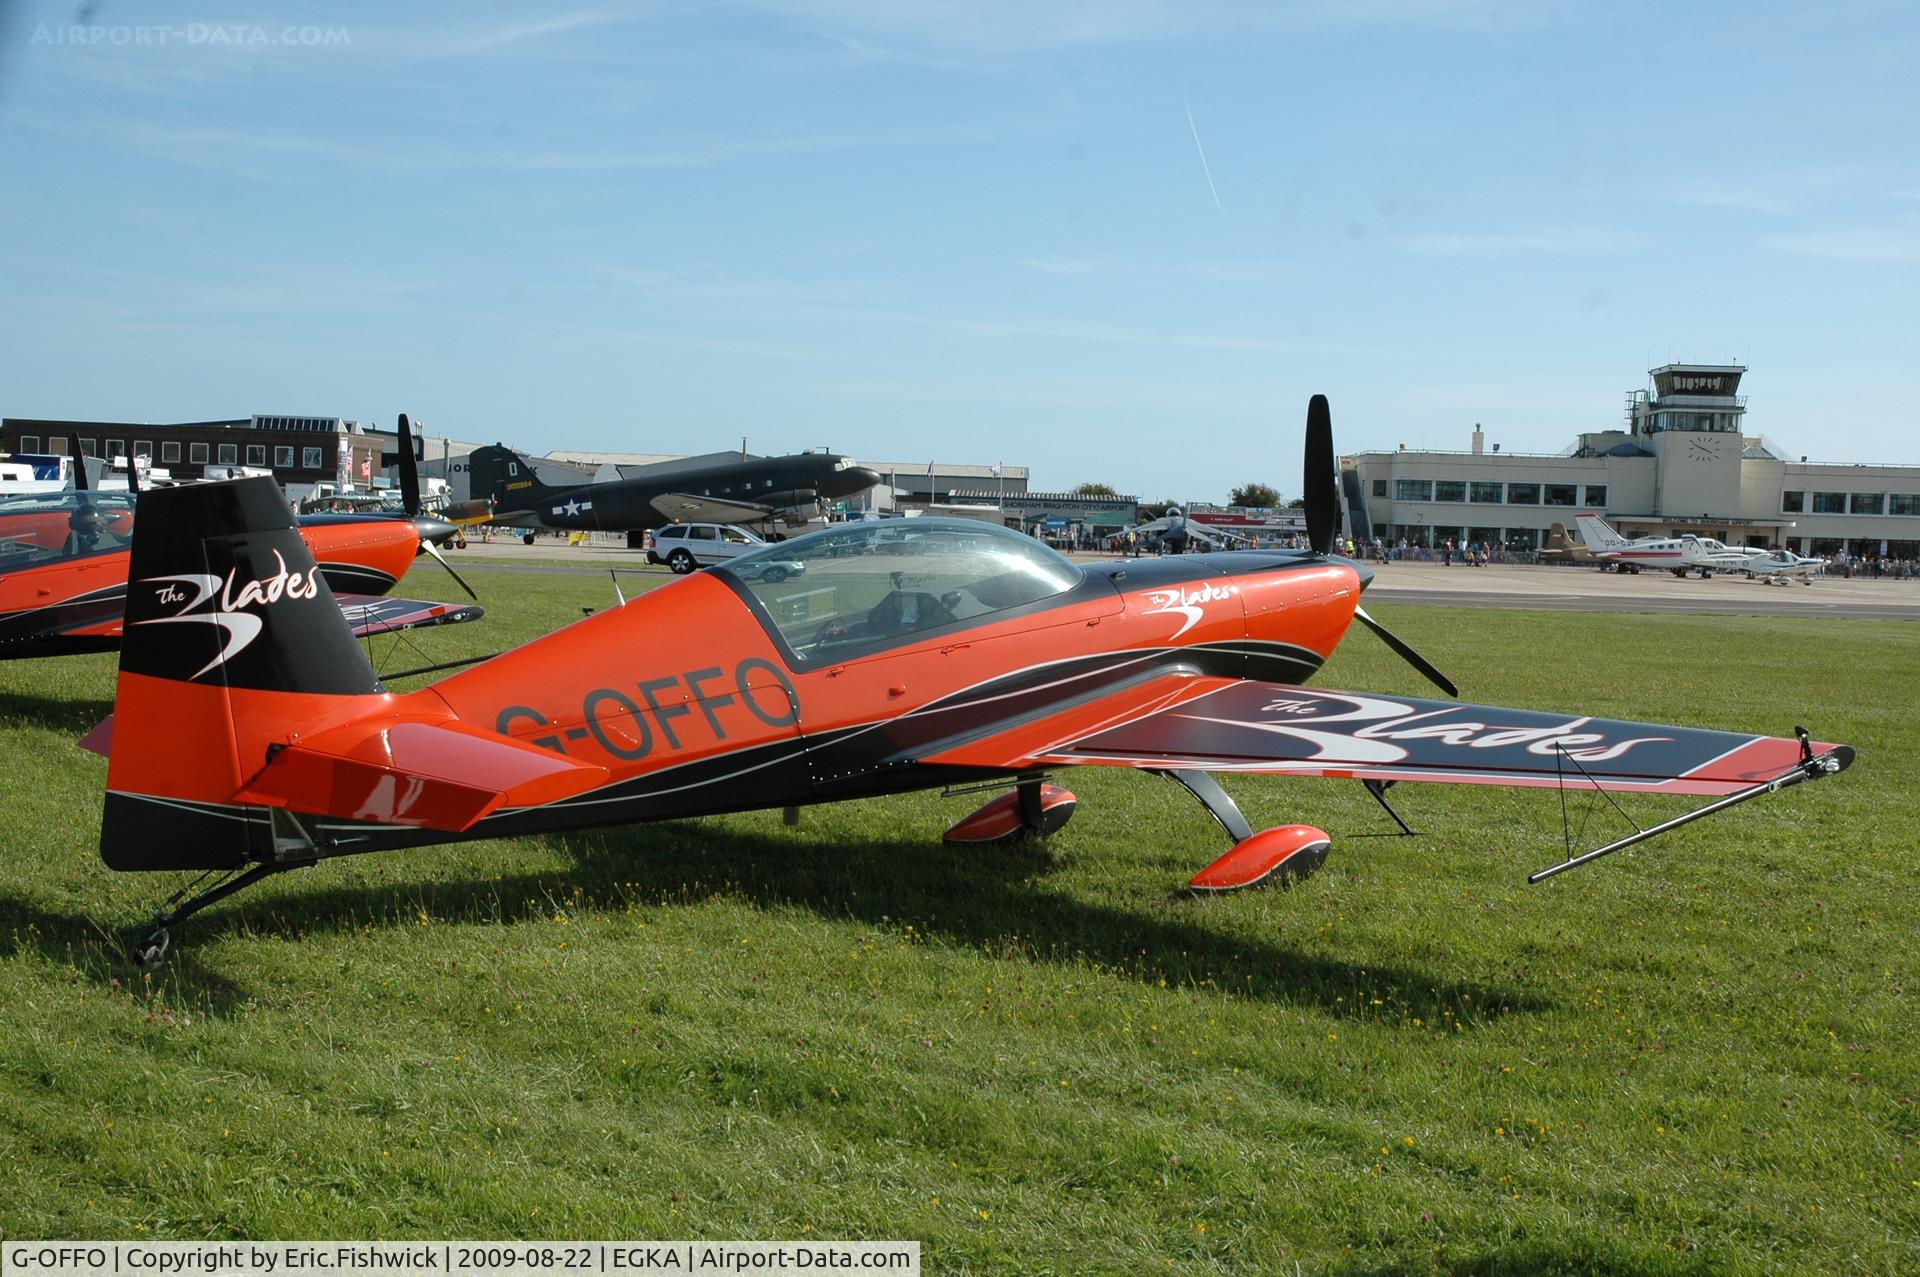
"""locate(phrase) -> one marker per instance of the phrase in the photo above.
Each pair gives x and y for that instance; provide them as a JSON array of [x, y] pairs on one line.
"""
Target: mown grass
[[1699, 1056]]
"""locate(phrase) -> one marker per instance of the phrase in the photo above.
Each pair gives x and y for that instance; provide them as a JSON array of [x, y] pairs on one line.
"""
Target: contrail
[[1202, 150]]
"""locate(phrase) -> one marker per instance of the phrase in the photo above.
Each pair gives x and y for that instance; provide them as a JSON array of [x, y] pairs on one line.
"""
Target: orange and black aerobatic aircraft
[[863, 659], [64, 555]]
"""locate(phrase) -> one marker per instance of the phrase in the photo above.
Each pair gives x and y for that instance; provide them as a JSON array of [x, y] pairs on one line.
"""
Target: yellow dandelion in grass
[[984, 1214], [1408, 1141]]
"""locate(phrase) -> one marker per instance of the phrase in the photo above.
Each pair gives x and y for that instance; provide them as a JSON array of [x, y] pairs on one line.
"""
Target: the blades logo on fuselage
[[241, 627], [1188, 603]]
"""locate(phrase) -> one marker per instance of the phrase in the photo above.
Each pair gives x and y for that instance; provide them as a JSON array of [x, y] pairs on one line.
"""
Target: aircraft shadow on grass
[[61, 715], [989, 899]]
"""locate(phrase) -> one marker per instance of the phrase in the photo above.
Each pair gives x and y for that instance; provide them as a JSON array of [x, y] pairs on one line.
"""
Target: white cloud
[[1859, 244], [1565, 239]]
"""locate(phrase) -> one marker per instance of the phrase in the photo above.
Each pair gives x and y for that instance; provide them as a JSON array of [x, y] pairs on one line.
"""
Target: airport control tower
[[1691, 422]]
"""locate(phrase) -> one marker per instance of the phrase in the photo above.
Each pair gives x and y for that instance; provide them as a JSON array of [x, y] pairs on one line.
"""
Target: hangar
[[1682, 463]]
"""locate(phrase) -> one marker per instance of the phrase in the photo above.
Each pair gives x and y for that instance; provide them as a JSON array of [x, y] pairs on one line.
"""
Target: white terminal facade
[[1682, 464]]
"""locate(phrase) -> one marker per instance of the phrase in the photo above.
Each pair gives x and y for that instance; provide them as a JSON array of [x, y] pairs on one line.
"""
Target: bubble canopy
[[859, 587]]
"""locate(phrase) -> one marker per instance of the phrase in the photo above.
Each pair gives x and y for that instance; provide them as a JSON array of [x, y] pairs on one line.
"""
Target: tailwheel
[[1033, 810], [151, 954], [1279, 856]]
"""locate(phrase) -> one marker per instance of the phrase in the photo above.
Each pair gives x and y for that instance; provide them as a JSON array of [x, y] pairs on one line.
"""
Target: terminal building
[[301, 451], [1682, 462]]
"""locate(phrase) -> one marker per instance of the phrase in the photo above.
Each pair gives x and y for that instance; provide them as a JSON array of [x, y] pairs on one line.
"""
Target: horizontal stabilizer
[[444, 776]]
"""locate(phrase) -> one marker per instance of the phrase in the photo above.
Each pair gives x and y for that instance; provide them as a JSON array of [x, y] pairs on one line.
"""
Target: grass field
[[1698, 1056]]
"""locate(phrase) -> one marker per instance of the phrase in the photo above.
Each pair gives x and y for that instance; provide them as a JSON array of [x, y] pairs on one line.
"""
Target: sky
[[1119, 242]]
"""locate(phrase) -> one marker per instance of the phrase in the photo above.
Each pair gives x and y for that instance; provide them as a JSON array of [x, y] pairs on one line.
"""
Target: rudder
[[498, 474]]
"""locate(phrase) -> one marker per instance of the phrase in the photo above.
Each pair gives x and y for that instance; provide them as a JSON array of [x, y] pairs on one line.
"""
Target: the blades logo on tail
[[241, 627]]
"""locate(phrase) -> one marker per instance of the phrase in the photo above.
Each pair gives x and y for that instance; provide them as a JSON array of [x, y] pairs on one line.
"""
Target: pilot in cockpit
[[903, 610]]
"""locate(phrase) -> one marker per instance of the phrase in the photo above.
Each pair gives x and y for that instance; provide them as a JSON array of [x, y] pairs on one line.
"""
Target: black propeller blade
[[1407, 654], [409, 470], [430, 528], [1322, 492], [1317, 484], [430, 548]]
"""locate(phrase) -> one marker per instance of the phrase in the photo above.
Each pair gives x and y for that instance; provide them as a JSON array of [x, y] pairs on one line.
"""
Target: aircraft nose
[[860, 478], [434, 529]]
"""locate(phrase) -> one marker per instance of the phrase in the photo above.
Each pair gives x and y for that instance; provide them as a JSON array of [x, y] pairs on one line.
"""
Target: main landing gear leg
[[151, 952], [1281, 855], [1379, 788], [1033, 810]]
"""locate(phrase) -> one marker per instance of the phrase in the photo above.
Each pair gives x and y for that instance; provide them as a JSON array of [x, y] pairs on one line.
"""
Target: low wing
[[383, 614], [1216, 724], [688, 508]]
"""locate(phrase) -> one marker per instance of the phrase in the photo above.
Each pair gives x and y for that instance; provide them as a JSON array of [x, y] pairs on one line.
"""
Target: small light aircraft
[[1562, 548], [1778, 567], [725, 488], [910, 654], [64, 559], [1678, 555]]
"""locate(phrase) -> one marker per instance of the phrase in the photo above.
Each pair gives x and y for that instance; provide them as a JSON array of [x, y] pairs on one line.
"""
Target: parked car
[[686, 546]]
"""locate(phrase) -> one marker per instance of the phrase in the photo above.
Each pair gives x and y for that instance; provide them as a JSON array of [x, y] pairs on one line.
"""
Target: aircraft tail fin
[[247, 720], [498, 474], [1598, 534], [231, 634]]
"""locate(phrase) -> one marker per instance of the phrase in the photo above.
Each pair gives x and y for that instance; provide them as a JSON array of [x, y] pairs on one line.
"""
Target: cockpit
[[56, 526], [864, 586]]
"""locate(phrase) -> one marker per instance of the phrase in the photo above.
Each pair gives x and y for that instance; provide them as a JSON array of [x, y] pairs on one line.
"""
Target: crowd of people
[[1449, 553]]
